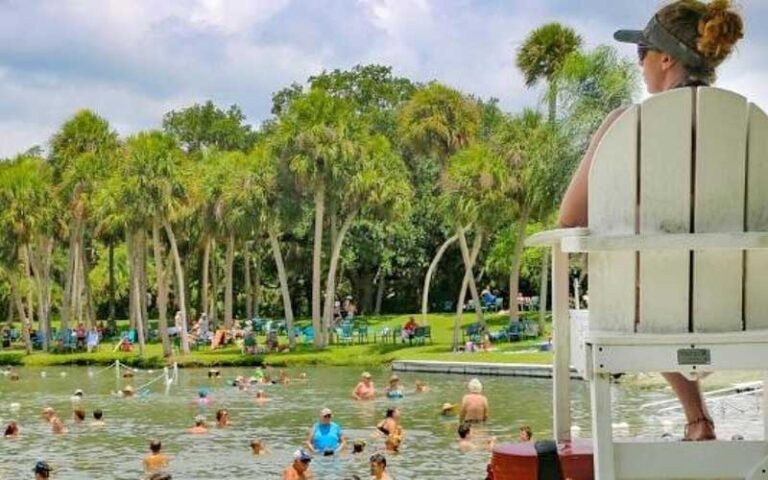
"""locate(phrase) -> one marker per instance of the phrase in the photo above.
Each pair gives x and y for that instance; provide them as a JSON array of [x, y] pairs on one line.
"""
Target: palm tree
[[314, 138], [439, 121], [542, 55]]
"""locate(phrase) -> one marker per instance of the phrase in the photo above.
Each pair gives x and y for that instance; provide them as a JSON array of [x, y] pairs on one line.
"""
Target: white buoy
[[63, 374], [150, 371], [15, 406], [43, 374], [90, 373]]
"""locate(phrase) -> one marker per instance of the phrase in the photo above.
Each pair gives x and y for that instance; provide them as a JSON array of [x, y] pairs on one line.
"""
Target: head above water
[[685, 42], [155, 446], [474, 386], [98, 414]]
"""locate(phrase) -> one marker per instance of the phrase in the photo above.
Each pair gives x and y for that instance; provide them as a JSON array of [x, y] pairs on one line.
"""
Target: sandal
[[702, 419]]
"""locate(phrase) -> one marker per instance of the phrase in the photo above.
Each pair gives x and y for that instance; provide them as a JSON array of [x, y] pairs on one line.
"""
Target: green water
[[115, 450]]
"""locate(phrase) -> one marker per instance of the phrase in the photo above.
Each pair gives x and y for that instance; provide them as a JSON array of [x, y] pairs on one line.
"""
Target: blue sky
[[133, 60]]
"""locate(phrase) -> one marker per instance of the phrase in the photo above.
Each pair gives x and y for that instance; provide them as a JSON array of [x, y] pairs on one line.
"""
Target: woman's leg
[[689, 393]]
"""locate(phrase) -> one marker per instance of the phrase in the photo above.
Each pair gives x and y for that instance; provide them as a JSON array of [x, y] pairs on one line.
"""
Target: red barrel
[[519, 461]]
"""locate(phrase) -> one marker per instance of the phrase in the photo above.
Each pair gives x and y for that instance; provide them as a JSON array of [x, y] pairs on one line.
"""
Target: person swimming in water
[[299, 469], [156, 460], [394, 390], [468, 443], [200, 426], [378, 464], [48, 414], [258, 447], [358, 447], [390, 423], [11, 430], [202, 397], [325, 436], [57, 426], [525, 434], [98, 418], [364, 390], [78, 415], [474, 405], [421, 387], [222, 418], [42, 470], [261, 397]]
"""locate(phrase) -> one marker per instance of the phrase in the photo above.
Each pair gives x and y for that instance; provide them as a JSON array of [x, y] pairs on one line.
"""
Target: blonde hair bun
[[719, 29]]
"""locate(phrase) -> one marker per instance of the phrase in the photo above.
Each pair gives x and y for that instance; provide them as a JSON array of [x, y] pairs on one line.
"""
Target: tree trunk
[[330, 282], [66, 304], [544, 290], [136, 259], [85, 266], [162, 289], [247, 282], [257, 286], [430, 272], [131, 290], [380, 292], [40, 263], [214, 295], [25, 323], [286, 293], [180, 287], [204, 307], [228, 288], [111, 318], [463, 292], [514, 273], [143, 283], [77, 309], [469, 263], [317, 256]]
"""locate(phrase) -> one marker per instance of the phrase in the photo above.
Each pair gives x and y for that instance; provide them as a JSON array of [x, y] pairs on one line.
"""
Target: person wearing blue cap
[[299, 469], [681, 46], [42, 470]]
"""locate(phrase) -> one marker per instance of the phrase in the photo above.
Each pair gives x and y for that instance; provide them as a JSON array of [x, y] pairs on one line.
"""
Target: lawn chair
[[362, 333], [678, 210], [530, 329], [308, 335], [421, 334], [344, 333], [473, 332]]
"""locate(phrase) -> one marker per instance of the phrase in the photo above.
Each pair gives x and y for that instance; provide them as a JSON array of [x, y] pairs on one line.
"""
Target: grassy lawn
[[369, 354]]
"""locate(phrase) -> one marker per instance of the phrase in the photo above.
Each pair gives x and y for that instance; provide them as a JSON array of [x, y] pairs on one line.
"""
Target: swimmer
[[326, 436], [378, 463], [390, 423], [258, 447], [299, 469], [13, 376], [394, 390], [525, 434], [160, 476], [78, 415], [222, 418], [364, 390], [77, 396], [448, 410], [261, 397], [128, 374], [57, 426], [214, 373], [283, 379], [98, 416], [48, 414], [467, 442], [42, 470], [202, 397], [421, 387], [11, 430], [126, 392], [474, 405], [358, 447], [394, 440], [155, 460], [200, 426]]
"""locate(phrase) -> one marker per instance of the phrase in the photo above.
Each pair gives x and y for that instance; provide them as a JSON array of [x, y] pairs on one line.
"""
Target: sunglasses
[[327, 416], [642, 51]]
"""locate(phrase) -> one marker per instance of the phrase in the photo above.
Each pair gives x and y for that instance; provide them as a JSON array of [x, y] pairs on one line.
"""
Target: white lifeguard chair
[[678, 271]]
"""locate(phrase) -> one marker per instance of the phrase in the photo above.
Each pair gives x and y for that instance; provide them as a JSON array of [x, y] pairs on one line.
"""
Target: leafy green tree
[[207, 126]]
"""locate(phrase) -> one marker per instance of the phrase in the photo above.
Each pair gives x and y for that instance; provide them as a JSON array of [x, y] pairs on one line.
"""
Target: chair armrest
[[552, 237], [667, 241]]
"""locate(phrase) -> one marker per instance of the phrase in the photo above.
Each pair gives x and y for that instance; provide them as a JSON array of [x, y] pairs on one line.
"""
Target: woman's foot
[[700, 429]]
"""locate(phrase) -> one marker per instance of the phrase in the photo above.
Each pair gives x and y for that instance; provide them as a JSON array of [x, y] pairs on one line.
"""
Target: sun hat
[[657, 35], [325, 411], [394, 378], [448, 406], [79, 392]]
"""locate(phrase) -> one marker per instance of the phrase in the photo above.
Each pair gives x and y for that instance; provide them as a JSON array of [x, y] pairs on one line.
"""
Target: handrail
[[551, 237], [666, 241]]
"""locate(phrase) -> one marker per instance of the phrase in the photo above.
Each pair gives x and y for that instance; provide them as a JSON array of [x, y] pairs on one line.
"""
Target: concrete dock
[[478, 368]]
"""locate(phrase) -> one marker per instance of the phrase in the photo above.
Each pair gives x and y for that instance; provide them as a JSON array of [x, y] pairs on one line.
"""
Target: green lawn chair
[[421, 334]]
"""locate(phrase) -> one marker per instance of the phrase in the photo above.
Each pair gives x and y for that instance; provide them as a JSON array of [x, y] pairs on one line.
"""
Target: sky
[[133, 60]]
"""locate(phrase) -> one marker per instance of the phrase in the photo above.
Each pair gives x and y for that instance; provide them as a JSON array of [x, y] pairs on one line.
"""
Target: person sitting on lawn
[[80, 334], [92, 339]]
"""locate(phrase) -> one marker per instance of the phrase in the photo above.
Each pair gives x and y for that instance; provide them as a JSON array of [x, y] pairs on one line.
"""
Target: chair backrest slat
[[612, 210], [756, 261], [666, 132], [720, 163]]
